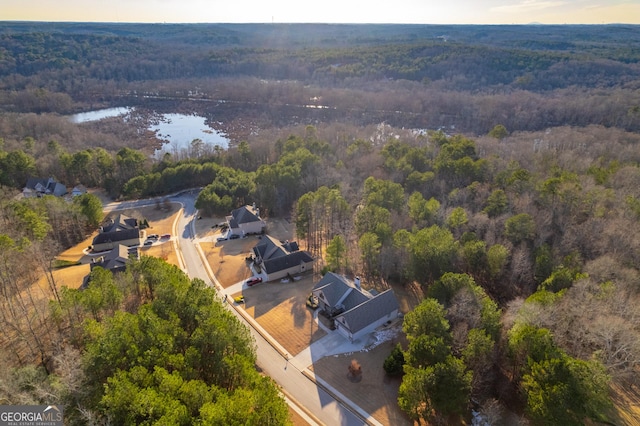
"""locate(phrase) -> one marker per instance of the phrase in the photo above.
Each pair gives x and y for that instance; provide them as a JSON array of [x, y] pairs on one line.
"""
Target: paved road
[[323, 408]]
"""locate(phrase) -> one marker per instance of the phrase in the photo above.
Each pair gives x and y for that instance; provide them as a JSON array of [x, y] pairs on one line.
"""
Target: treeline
[[500, 57], [409, 76]]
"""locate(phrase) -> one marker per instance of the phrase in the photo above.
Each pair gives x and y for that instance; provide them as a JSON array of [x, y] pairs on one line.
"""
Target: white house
[[78, 190], [278, 260], [245, 220], [356, 312]]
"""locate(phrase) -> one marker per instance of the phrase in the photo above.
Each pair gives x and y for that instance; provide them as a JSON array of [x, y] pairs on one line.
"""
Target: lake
[[177, 130]]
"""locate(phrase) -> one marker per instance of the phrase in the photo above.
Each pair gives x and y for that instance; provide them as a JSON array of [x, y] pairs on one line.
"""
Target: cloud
[[527, 6]]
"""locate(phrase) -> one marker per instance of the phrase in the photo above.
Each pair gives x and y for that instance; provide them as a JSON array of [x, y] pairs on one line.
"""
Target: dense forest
[[493, 170]]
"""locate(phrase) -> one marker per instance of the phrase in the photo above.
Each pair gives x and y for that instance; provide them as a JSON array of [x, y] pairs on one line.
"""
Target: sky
[[327, 11]]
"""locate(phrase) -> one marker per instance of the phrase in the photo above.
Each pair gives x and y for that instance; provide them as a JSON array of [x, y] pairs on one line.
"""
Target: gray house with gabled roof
[[37, 187], [121, 230], [280, 259], [115, 260], [120, 223], [369, 315], [356, 312], [245, 220]]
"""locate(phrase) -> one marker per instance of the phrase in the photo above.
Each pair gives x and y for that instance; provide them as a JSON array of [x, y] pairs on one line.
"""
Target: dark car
[[148, 242], [234, 237], [254, 281]]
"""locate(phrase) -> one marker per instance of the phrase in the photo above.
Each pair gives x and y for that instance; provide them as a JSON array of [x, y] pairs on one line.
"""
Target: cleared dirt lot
[[375, 393], [160, 222], [227, 258], [281, 310]]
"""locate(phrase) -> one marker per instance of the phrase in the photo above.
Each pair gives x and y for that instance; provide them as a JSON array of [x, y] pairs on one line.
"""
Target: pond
[[99, 114], [178, 131]]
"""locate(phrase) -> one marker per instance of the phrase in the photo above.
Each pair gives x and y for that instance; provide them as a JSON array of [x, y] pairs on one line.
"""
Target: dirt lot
[[375, 392], [160, 222], [227, 259], [281, 310], [278, 307], [627, 404]]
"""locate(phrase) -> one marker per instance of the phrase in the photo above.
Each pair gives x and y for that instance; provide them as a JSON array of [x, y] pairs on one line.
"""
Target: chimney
[[356, 281]]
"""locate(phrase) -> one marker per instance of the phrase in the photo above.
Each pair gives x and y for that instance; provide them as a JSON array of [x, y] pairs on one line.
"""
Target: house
[[37, 187], [278, 259], [120, 223], [121, 230], [78, 190], [355, 311], [245, 221], [115, 260]]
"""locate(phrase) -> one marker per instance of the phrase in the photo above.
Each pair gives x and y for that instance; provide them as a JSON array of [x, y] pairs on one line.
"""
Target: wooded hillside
[[493, 169]]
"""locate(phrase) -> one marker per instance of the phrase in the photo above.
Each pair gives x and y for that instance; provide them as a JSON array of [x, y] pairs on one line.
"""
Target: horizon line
[[308, 23]]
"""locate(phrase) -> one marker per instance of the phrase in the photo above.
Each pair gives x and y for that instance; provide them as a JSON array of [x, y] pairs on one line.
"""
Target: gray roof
[[334, 288], [120, 223], [370, 311], [270, 248], [285, 262], [115, 260], [277, 256], [115, 236], [46, 186], [244, 214], [330, 277], [354, 298]]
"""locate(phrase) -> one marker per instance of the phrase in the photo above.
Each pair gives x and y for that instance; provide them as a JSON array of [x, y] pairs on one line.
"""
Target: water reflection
[[85, 117], [178, 131]]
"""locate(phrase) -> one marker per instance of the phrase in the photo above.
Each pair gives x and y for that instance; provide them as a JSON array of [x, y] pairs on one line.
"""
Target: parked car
[[222, 238], [148, 242], [254, 281], [238, 299], [312, 301], [152, 237], [234, 237], [165, 236]]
